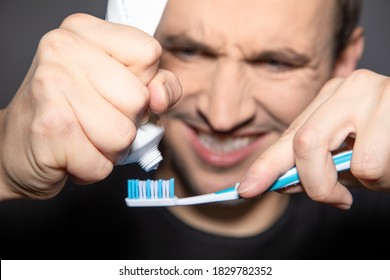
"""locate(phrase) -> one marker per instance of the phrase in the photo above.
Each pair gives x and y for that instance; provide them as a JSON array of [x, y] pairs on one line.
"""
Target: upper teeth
[[223, 145]]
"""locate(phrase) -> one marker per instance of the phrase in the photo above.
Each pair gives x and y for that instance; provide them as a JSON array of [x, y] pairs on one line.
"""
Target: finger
[[110, 131], [321, 134], [165, 90], [59, 145], [105, 127], [145, 117], [79, 157], [84, 61], [324, 132], [319, 179], [116, 84], [90, 167], [132, 47], [279, 158], [271, 164], [371, 156]]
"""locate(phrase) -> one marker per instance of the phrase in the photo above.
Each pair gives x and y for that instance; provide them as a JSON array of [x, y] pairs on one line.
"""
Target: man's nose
[[227, 102]]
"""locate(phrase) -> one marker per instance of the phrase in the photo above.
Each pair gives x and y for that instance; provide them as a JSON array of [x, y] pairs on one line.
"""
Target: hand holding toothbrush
[[352, 110]]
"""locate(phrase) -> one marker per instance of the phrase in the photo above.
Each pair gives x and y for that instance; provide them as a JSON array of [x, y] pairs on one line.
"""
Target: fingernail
[[168, 89], [247, 184], [145, 117], [292, 189], [343, 206]]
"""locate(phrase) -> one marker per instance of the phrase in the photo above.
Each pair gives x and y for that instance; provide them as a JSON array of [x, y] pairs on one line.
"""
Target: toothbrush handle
[[342, 162]]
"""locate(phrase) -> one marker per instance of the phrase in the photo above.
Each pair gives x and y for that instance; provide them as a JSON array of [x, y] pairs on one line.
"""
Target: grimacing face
[[248, 69]]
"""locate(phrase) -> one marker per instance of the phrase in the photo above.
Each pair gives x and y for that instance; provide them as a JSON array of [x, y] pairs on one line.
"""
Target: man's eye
[[277, 66], [188, 51], [184, 52]]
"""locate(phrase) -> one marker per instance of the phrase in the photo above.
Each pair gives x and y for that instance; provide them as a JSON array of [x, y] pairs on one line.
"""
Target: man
[[253, 76]]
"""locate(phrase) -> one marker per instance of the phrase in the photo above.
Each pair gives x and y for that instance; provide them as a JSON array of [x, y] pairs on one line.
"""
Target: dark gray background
[[23, 22]]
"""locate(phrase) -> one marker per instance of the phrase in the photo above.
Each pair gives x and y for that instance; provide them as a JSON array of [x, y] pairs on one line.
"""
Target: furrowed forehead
[[250, 22]]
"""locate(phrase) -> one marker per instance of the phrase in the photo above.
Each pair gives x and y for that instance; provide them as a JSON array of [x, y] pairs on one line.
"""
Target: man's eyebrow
[[185, 41], [285, 54]]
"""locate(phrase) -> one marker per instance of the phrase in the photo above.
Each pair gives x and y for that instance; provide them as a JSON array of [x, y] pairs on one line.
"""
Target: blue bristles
[[150, 189]]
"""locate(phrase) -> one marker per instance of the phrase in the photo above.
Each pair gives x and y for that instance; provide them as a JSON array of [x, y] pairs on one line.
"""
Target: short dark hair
[[346, 20]]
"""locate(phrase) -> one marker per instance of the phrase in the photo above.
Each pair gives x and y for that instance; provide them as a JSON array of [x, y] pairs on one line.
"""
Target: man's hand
[[89, 87], [354, 111]]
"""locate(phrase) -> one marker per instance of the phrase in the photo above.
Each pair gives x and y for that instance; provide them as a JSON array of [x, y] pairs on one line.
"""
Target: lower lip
[[224, 159]]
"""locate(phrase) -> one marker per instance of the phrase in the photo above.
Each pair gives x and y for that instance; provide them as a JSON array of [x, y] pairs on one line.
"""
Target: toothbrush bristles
[[150, 189]]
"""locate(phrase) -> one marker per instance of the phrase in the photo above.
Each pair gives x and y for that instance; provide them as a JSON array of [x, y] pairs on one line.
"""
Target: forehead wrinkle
[[209, 37], [197, 34], [206, 23], [241, 31]]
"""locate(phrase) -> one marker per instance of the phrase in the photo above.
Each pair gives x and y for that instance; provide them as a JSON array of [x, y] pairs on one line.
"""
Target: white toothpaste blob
[[144, 148]]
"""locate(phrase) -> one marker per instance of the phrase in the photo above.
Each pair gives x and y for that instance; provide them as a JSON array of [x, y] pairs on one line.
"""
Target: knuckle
[[319, 196], [360, 75], [319, 193], [305, 140], [367, 169], [75, 20], [55, 44], [53, 122], [331, 85], [93, 168], [361, 78], [100, 169], [151, 51], [48, 79]]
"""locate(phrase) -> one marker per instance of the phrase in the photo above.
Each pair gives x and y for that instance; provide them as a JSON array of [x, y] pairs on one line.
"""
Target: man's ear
[[348, 59]]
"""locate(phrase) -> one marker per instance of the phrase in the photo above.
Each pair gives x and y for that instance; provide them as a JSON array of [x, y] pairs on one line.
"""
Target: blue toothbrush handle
[[342, 162]]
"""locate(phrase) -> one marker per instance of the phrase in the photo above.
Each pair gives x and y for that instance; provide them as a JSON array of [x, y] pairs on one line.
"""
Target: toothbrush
[[144, 193]]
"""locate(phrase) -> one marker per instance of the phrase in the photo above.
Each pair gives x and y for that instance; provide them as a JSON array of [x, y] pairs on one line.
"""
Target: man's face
[[247, 68]]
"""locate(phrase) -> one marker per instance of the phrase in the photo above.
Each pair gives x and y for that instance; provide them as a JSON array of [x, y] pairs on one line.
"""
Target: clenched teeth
[[224, 145]]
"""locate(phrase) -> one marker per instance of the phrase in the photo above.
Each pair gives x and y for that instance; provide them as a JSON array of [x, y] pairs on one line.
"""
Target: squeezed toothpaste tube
[[144, 15], [144, 148]]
